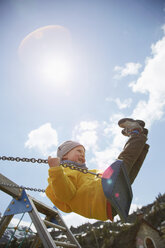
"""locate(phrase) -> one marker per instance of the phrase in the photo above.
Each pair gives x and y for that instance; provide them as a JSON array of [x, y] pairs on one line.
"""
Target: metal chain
[[76, 166], [18, 159], [65, 164], [21, 187]]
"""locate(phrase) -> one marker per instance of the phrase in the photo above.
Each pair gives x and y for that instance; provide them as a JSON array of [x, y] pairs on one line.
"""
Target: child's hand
[[53, 162]]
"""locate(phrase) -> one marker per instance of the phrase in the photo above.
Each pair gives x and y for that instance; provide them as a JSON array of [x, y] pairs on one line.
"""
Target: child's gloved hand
[[53, 162]]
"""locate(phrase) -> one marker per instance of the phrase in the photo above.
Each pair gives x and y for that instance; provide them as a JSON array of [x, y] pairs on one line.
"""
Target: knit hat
[[66, 147]]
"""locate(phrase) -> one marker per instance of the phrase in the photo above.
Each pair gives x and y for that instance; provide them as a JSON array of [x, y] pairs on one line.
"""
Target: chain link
[[65, 164], [18, 159], [21, 187]]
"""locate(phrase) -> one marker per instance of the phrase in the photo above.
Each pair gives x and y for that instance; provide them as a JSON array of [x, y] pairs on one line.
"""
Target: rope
[[26, 231], [7, 245]]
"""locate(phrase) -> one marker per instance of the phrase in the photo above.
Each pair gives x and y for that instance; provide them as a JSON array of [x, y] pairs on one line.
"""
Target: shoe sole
[[145, 131], [123, 122]]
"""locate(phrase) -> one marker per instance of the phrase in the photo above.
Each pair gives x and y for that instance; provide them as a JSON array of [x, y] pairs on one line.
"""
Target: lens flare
[[117, 195], [109, 181], [47, 54], [108, 173]]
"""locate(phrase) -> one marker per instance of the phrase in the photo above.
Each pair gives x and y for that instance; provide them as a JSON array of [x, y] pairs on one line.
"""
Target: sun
[[47, 54], [56, 69]]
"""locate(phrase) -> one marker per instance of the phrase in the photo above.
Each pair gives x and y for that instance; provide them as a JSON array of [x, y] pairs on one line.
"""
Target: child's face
[[77, 154]]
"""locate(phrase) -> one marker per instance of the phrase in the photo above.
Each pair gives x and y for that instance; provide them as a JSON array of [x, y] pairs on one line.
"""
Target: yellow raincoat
[[74, 191]]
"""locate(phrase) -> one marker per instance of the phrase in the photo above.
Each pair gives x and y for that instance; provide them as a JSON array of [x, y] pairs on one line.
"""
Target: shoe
[[124, 131], [128, 121], [131, 126]]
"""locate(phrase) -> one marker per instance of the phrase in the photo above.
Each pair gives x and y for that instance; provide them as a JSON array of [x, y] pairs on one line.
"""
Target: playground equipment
[[23, 203], [116, 187]]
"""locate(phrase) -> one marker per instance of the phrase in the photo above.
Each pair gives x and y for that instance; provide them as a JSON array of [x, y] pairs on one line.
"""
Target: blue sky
[[71, 69]]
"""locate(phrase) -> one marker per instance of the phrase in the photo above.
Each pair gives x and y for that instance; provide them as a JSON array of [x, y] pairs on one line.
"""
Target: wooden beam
[[4, 223], [14, 192]]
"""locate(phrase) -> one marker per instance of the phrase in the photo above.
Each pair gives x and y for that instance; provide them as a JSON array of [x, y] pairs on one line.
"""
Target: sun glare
[[47, 54], [56, 70]]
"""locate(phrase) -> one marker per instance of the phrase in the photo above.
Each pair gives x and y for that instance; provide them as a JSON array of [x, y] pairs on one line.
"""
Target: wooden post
[[14, 192], [4, 223]]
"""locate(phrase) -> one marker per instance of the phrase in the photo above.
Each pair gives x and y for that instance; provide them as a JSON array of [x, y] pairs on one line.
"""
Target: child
[[74, 191]]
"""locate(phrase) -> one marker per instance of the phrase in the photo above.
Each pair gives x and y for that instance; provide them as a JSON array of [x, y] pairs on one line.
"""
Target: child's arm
[[61, 185]]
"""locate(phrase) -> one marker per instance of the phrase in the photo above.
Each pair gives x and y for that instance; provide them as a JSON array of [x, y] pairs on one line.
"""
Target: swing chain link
[[21, 187], [72, 166], [18, 159]]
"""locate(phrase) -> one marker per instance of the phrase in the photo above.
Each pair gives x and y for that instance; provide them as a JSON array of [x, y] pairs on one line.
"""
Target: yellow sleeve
[[61, 184], [61, 205]]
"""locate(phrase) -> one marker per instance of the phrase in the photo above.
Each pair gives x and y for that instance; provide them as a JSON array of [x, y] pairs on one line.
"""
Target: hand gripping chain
[[65, 164]]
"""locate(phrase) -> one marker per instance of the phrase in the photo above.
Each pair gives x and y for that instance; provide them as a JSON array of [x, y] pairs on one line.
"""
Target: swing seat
[[117, 188]]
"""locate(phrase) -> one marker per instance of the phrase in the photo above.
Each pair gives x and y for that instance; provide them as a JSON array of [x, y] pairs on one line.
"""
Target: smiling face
[[77, 155]]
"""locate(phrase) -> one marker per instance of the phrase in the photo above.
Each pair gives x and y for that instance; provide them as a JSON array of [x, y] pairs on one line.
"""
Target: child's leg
[[135, 150], [137, 165], [132, 150], [133, 155]]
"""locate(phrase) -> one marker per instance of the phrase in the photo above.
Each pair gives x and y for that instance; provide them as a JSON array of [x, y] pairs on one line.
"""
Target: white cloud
[[113, 141], [14, 222], [151, 82], [102, 159], [44, 138], [90, 133], [122, 104], [75, 220], [129, 69], [94, 135], [86, 134]]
